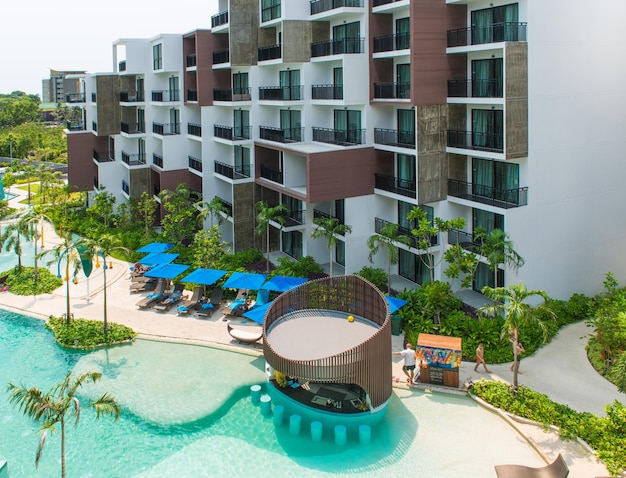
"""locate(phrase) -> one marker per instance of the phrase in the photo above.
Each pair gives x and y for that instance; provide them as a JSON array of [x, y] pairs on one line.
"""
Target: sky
[[37, 35]]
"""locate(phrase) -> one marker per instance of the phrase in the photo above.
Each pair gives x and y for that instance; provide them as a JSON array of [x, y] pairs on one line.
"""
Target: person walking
[[408, 354], [480, 358], [518, 350]]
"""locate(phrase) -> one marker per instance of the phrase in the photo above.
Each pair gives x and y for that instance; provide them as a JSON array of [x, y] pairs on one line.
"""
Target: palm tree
[[57, 406], [29, 223], [212, 208], [328, 228], [266, 215], [388, 238], [518, 314], [11, 239], [498, 249]]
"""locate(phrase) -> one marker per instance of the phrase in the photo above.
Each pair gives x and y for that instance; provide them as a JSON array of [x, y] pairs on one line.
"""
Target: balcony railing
[[269, 52], [281, 135], [219, 19], [327, 92], [398, 41], [476, 141], [76, 125], [495, 33], [295, 218], [121, 66], [465, 239], [165, 96], [317, 214], [102, 156], [392, 91], [125, 187], [191, 60], [280, 93], [192, 95], [378, 3], [502, 198], [272, 174], [396, 185], [132, 128], [394, 137], [157, 160], [222, 56], [232, 94], [194, 129], [339, 136], [475, 88], [319, 6], [195, 163], [232, 133], [228, 207], [166, 129], [338, 47], [131, 96], [379, 224], [133, 159], [232, 172], [75, 98]]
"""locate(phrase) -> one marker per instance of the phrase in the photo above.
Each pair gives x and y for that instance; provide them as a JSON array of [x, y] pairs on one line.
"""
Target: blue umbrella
[[394, 303], [157, 258], [283, 283], [257, 313], [156, 247], [204, 276], [167, 271], [242, 280]]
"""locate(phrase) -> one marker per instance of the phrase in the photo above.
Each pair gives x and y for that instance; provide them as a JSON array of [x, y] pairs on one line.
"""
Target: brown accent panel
[[381, 71], [457, 167], [171, 179], [320, 31], [384, 162], [243, 216], [457, 117], [265, 156], [81, 169], [205, 79], [139, 182], [108, 101]]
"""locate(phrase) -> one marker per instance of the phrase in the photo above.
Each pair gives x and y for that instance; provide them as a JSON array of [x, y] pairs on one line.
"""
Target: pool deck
[[560, 369]]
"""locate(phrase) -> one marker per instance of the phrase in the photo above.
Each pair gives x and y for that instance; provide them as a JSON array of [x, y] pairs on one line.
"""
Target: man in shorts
[[409, 361]]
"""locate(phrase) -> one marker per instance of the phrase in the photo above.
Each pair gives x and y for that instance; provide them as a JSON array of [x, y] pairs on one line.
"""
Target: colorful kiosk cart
[[440, 359]]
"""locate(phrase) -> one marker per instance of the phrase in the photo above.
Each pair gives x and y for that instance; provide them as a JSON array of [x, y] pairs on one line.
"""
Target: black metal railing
[[232, 133], [269, 52], [121, 66], [317, 214], [191, 60], [241, 171], [228, 207], [475, 88], [222, 56], [75, 98], [131, 96], [166, 129], [476, 141], [194, 129], [394, 137], [132, 128], [378, 3], [192, 95], [219, 19], [319, 6], [327, 92], [397, 41], [281, 135], [195, 163], [280, 93], [295, 218], [339, 136], [165, 96], [392, 90], [75, 125], [102, 156], [133, 159], [379, 224], [495, 33], [232, 94], [272, 174], [157, 160], [502, 198], [396, 185], [338, 47], [465, 239]]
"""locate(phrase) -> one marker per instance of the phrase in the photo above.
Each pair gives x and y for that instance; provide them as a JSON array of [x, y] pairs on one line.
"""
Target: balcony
[[192, 95], [232, 172], [327, 92], [396, 185], [398, 41], [131, 96], [134, 159], [269, 53], [495, 33], [195, 163], [121, 66], [340, 137], [219, 19], [194, 129], [476, 141], [317, 214], [102, 156], [319, 6], [166, 129], [157, 160], [232, 94], [502, 198], [295, 218], [465, 239], [93, 97], [280, 93], [338, 47], [394, 137], [271, 174], [76, 125], [281, 135], [270, 13], [132, 128], [191, 60], [231, 133], [227, 207], [75, 98], [165, 96], [400, 91], [222, 56], [379, 224], [378, 3], [475, 88]]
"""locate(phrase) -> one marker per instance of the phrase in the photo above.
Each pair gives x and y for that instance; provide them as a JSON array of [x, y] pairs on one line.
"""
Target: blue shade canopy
[[257, 313], [394, 303], [167, 271], [283, 283], [242, 280], [157, 258], [156, 247], [204, 276]]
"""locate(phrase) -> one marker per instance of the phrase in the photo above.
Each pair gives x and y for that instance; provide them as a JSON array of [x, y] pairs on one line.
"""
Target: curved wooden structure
[[245, 336], [366, 364]]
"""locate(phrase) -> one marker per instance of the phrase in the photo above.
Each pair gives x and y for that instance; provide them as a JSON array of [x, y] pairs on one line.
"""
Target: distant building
[[63, 87]]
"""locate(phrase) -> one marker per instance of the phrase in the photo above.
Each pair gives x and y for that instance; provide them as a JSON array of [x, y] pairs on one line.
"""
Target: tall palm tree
[[498, 249], [328, 228], [212, 208], [11, 239], [57, 406], [29, 223], [388, 238], [518, 314], [265, 216]]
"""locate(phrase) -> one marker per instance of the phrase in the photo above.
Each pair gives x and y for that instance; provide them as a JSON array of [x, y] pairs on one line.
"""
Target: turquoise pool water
[[187, 413]]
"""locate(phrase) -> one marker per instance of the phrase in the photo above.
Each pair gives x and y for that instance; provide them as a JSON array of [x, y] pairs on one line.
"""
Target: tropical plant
[[375, 275], [518, 314], [102, 207], [266, 215], [388, 238], [329, 228], [57, 406], [181, 221], [208, 248], [497, 248], [31, 225], [11, 239], [213, 208]]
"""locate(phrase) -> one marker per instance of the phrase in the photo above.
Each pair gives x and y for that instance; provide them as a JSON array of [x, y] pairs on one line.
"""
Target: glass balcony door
[[487, 78], [348, 126], [240, 84], [241, 122], [495, 24], [487, 129], [291, 125], [290, 84]]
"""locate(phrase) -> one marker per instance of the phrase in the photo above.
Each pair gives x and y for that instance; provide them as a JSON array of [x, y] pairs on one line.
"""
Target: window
[[487, 220], [340, 210], [240, 84], [141, 120], [174, 121], [242, 161], [295, 210], [348, 126], [292, 244], [347, 38], [111, 147], [337, 83], [270, 9], [241, 119], [340, 253], [403, 80], [290, 84], [484, 276], [495, 24], [140, 89], [495, 179], [406, 127], [157, 56], [404, 208], [411, 267], [403, 33], [290, 125], [141, 147], [405, 171], [174, 91], [487, 130], [487, 78]]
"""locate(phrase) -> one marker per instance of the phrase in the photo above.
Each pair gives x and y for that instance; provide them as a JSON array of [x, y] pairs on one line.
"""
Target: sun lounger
[[154, 296], [192, 303], [557, 469], [246, 336], [237, 304], [208, 308], [167, 302], [143, 286]]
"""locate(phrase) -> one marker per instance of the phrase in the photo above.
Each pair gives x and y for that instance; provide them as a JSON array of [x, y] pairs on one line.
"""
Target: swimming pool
[[187, 413]]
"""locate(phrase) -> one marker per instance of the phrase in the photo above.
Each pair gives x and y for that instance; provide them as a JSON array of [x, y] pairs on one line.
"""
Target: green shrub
[[376, 276], [88, 334], [240, 260], [304, 267], [23, 281]]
